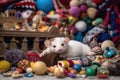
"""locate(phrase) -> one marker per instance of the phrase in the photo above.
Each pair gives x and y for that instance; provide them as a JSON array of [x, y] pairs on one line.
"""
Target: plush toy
[[81, 26], [69, 48], [51, 59], [91, 12], [89, 3], [39, 68], [5, 65], [74, 11], [14, 56], [93, 33], [74, 3], [107, 43], [97, 21], [23, 64]]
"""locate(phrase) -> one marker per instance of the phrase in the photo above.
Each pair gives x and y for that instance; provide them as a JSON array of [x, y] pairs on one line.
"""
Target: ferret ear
[[47, 43], [67, 39]]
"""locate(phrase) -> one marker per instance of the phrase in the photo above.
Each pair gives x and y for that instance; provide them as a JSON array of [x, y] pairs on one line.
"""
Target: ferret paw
[[43, 53], [63, 56], [91, 53]]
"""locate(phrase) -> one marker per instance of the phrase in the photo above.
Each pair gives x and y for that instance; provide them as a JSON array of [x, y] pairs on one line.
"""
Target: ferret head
[[57, 45]]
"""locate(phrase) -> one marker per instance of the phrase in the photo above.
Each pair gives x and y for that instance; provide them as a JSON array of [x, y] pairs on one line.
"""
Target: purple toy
[[74, 11], [83, 8]]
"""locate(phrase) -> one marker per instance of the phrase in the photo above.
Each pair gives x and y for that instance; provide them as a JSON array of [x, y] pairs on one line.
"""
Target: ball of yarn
[[74, 3], [4, 65], [74, 11], [97, 50], [73, 28], [81, 26], [83, 8], [91, 12], [14, 56], [45, 5], [107, 43], [103, 36]]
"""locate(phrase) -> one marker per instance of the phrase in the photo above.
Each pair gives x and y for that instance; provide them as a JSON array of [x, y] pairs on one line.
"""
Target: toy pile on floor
[[95, 50]]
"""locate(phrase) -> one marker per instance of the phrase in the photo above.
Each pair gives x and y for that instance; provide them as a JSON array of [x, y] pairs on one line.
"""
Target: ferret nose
[[60, 49]]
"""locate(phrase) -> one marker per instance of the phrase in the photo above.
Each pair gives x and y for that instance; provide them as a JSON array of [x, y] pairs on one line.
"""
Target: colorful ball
[[45, 5], [110, 52], [74, 11], [90, 71], [77, 67], [81, 26], [91, 12], [4, 65], [73, 29], [39, 68], [107, 43], [83, 8], [74, 3]]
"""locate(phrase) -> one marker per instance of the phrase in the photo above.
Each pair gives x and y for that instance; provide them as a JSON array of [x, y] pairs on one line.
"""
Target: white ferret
[[63, 45]]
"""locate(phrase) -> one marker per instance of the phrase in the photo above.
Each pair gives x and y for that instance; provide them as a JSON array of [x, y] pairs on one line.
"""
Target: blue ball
[[45, 5], [77, 67]]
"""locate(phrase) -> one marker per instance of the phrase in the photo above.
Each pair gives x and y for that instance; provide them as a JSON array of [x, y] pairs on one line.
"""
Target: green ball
[[90, 71]]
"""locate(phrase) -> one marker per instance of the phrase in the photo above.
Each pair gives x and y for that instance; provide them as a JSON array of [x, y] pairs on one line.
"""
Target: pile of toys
[[93, 22]]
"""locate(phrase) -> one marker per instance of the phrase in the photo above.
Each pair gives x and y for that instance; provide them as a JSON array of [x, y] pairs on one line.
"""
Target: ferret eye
[[54, 46], [62, 44]]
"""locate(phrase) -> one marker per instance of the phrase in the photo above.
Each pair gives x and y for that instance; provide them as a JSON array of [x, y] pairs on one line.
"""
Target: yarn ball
[[14, 56], [74, 3], [91, 12], [83, 8], [73, 28], [74, 11], [97, 50], [45, 5], [4, 65], [39, 68], [103, 36], [81, 26], [107, 43], [97, 1], [77, 67]]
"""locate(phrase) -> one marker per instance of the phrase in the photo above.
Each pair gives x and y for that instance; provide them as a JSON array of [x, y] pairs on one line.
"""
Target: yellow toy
[[39, 68], [4, 65]]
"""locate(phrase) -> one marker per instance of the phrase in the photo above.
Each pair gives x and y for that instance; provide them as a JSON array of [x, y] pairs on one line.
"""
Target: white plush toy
[[70, 48]]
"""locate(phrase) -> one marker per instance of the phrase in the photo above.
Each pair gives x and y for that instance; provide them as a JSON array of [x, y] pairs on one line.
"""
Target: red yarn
[[98, 1]]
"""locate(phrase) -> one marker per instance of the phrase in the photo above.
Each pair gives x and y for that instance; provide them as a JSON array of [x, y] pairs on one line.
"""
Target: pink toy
[[74, 11], [83, 8]]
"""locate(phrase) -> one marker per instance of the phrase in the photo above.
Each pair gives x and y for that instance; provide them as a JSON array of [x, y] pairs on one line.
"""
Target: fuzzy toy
[[89, 3], [14, 56]]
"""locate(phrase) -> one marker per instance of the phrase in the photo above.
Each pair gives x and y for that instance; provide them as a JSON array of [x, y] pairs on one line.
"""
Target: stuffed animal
[[63, 45]]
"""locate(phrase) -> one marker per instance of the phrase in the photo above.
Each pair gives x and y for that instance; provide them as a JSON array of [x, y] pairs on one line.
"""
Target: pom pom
[[83, 8], [81, 26], [74, 11], [103, 36], [73, 29], [91, 12], [74, 3]]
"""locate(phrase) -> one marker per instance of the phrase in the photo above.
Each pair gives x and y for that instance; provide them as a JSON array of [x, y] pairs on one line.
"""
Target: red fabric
[[98, 1]]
